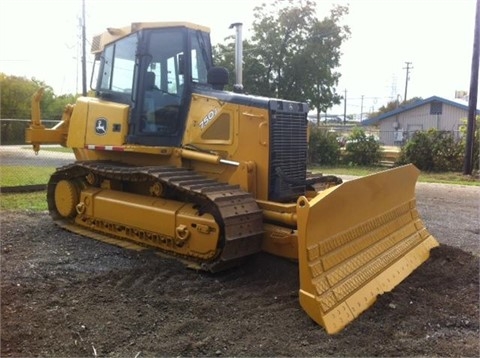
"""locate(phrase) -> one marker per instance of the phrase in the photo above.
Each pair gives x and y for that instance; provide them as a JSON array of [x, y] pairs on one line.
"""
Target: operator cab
[[154, 70]]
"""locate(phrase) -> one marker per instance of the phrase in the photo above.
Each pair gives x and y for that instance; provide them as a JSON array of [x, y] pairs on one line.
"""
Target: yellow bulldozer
[[168, 159]]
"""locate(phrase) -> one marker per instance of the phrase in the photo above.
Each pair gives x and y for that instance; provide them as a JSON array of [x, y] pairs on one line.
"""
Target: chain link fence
[[13, 130], [21, 169]]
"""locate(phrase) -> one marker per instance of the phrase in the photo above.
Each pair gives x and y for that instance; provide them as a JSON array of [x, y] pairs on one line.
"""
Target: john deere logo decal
[[101, 126]]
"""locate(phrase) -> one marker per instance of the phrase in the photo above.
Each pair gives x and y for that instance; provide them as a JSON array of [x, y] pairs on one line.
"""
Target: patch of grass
[[24, 175], [35, 201], [346, 170], [443, 178], [450, 178], [53, 149]]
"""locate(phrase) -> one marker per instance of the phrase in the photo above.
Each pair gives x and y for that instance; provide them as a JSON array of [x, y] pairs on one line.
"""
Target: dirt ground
[[63, 295]]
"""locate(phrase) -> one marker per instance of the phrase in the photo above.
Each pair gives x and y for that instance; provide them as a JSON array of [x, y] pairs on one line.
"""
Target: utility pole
[[361, 110], [84, 56], [345, 108], [472, 97], [407, 77]]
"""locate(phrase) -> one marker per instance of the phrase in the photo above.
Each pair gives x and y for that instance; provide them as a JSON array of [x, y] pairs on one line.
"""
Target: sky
[[42, 39]]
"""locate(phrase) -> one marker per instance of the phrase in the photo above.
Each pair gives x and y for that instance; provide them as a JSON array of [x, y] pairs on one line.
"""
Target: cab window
[[163, 82], [119, 65]]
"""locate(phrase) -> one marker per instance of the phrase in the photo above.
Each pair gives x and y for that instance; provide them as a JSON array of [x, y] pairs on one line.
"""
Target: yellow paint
[[154, 221], [246, 140], [77, 123], [356, 241], [116, 118]]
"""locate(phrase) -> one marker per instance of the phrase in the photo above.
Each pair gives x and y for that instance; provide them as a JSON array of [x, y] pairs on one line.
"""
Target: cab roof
[[113, 34]]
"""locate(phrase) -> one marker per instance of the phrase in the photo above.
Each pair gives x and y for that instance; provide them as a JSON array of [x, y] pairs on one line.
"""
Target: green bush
[[433, 151], [13, 131], [362, 149], [323, 147]]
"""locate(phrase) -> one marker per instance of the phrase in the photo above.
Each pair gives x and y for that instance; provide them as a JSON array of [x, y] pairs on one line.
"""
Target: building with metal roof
[[395, 127]]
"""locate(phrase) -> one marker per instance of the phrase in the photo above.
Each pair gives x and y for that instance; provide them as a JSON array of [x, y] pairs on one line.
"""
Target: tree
[[224, 56], [292, 54], [16, 98], [56, 105], [323, 56], [16, 103], [392, 105]]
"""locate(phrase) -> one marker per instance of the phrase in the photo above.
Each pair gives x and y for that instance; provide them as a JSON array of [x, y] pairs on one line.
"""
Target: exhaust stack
[[238, 86]]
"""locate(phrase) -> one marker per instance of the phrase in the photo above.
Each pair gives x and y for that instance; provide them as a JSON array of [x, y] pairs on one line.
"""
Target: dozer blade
[[357, 241]]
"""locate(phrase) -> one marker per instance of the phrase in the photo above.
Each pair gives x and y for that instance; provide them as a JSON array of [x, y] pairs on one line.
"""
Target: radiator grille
[[288, 150]]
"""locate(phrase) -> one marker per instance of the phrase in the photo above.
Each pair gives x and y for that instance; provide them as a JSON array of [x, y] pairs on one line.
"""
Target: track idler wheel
[[67, 196]]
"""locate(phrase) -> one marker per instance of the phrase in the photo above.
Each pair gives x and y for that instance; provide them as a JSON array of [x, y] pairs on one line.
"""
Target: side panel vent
[[288, 150]]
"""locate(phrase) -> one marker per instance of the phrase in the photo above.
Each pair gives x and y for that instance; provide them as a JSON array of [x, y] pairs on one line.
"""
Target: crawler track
[[235, 210]]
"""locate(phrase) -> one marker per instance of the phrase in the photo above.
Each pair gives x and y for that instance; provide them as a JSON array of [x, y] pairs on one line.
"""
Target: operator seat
[[150, 81], [148, 122]]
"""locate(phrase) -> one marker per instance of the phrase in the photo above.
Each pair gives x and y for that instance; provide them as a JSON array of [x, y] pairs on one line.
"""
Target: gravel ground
[[63, 295], [452, 214]]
